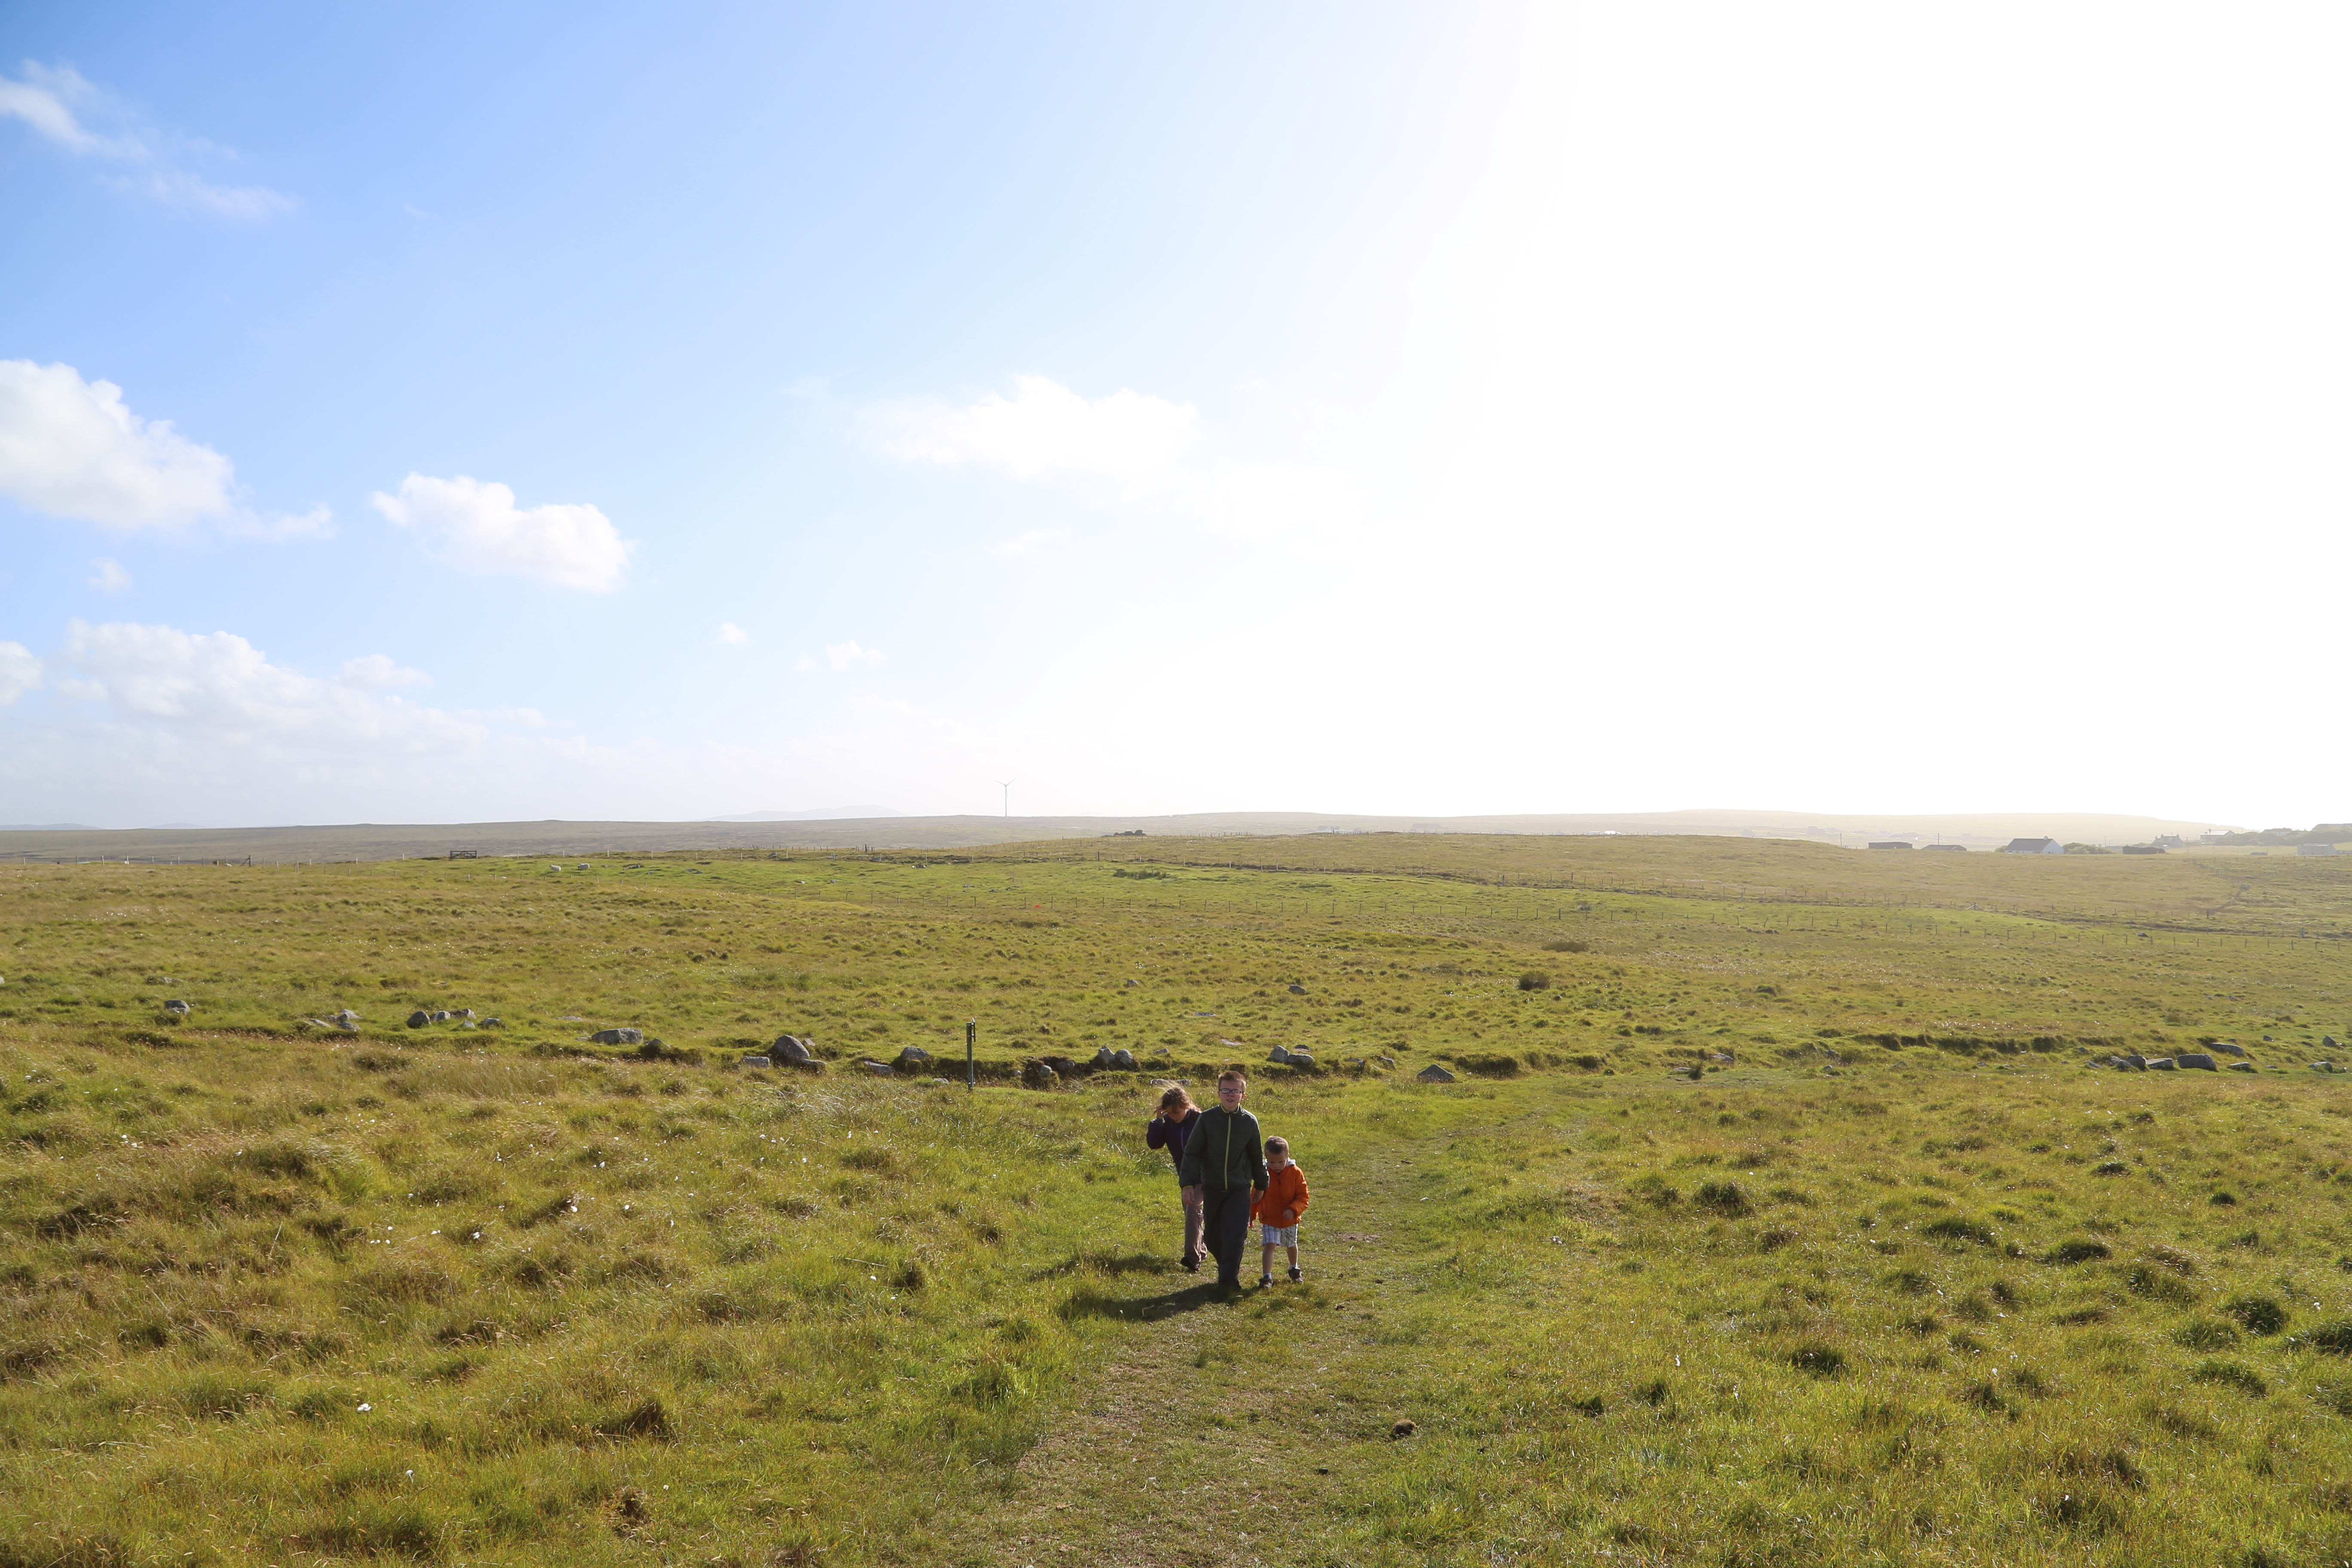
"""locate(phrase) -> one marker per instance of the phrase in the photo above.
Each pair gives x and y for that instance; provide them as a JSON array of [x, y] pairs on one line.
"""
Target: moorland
[[1782, 1209]]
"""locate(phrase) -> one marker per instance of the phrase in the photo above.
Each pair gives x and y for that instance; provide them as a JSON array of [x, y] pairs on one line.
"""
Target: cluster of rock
[[1304, 1060], [463, 1017], [345, 1022], [789, 1051], [2132, 1061]]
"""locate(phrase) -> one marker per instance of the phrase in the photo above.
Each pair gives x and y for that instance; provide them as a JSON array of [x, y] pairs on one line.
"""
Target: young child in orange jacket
[[1278, 1209]]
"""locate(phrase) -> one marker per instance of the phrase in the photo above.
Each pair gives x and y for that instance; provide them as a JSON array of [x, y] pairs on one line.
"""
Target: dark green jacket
[[1225, 1150]]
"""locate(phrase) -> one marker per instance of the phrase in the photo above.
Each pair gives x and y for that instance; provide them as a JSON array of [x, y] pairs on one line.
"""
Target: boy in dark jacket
[[1224, 1157], [1178, 1116]]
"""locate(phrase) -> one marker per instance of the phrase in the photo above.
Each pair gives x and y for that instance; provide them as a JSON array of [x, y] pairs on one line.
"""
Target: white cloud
[[1155, 454], [20, 671], [51, 100], [1045, 430], [838, 656], [733, 635], [70, 449], [478, 528], [108, 576], [377, 672]]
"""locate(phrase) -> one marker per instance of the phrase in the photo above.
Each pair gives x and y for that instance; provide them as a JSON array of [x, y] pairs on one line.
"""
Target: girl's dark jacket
[[1170, 1135], [1224, 1150]]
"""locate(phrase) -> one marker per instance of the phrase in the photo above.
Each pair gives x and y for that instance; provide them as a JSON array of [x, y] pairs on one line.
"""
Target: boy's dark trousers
[[1225, 1216]]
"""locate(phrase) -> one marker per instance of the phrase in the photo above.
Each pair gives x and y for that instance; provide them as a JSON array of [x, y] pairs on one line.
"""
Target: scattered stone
[[880, 1069], [790, 1049], [913, 1056], [463, 1013], [936, 1083], [1433, 1073], [2326, 1043], [2135, 1059], [2195, 1059], [419, 1018], [1038, 1075], [581, 867], [1388, 1062], [1122, 1058], [2233, 1050], [494, 1023], [2244, 1066], [1298, 991], [1102, 1058], [347, 1026], [441, 1017], [1692, 1072], [2325, 1067], [347, 1016], [755, 1062], [1280, 1055], [2164, 1064], [1134, 982], [618, 1037], [1725, 1058], [1302, 1059], [176, 1005], [2120, 1064], [1403, 1429], [1062, 1065]]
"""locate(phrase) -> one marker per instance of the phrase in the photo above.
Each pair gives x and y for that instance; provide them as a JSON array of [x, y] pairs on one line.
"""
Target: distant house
[[1891, 844], [2033, 847], [1948, 848], [2167, 841], [2314, 848]]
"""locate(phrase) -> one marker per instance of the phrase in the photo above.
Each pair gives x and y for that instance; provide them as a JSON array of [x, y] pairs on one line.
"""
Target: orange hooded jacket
[[1284, 1198]]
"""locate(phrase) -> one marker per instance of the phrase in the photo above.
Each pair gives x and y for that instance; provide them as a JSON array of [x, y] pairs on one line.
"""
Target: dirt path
[[1220, 1432]]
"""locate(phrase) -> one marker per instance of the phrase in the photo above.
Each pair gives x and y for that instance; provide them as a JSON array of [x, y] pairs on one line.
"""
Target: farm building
[[2033, 847], [2314, 848], [1890, 844]]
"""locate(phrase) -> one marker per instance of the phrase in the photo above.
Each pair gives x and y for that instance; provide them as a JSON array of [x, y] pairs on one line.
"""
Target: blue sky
[[598, 412]]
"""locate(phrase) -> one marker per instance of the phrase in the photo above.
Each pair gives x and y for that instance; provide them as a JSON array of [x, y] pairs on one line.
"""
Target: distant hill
[[556, 839], [814, 814]]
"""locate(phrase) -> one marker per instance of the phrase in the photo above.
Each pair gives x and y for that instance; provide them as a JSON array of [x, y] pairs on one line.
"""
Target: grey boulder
[[754, 1062], [2226, 1045], [2195, 1059], [879, 1069], [1388, 1062], [1302, 1059], [442, 1017], [913, 1056], [1433, 1073], [2164, 1064], [176, 1005], [1103, 1058], [1280, 1055], [2244, 1066], [1298, 991], [789, 1049], [1122, 1058], [618, 1037], [419, 1018], [1038, 1075]]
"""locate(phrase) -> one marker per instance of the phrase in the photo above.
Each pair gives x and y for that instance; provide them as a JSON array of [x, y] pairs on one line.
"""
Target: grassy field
[[1900, 1276]]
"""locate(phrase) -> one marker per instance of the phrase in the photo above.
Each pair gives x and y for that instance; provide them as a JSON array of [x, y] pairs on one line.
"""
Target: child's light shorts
[[1278, 1234]]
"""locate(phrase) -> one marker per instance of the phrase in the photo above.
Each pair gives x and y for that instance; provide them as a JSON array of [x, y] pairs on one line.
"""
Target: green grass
[[1899, 1278]]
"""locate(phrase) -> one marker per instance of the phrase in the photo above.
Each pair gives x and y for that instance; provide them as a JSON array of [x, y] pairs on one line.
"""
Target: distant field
[[1902, 1277]]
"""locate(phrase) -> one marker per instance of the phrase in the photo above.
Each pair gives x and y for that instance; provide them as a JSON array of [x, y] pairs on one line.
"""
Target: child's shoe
[[1265, 1281], [1294, 1275]]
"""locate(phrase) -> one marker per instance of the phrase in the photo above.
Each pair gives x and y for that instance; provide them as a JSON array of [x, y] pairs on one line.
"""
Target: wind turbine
[[1008, 796]]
